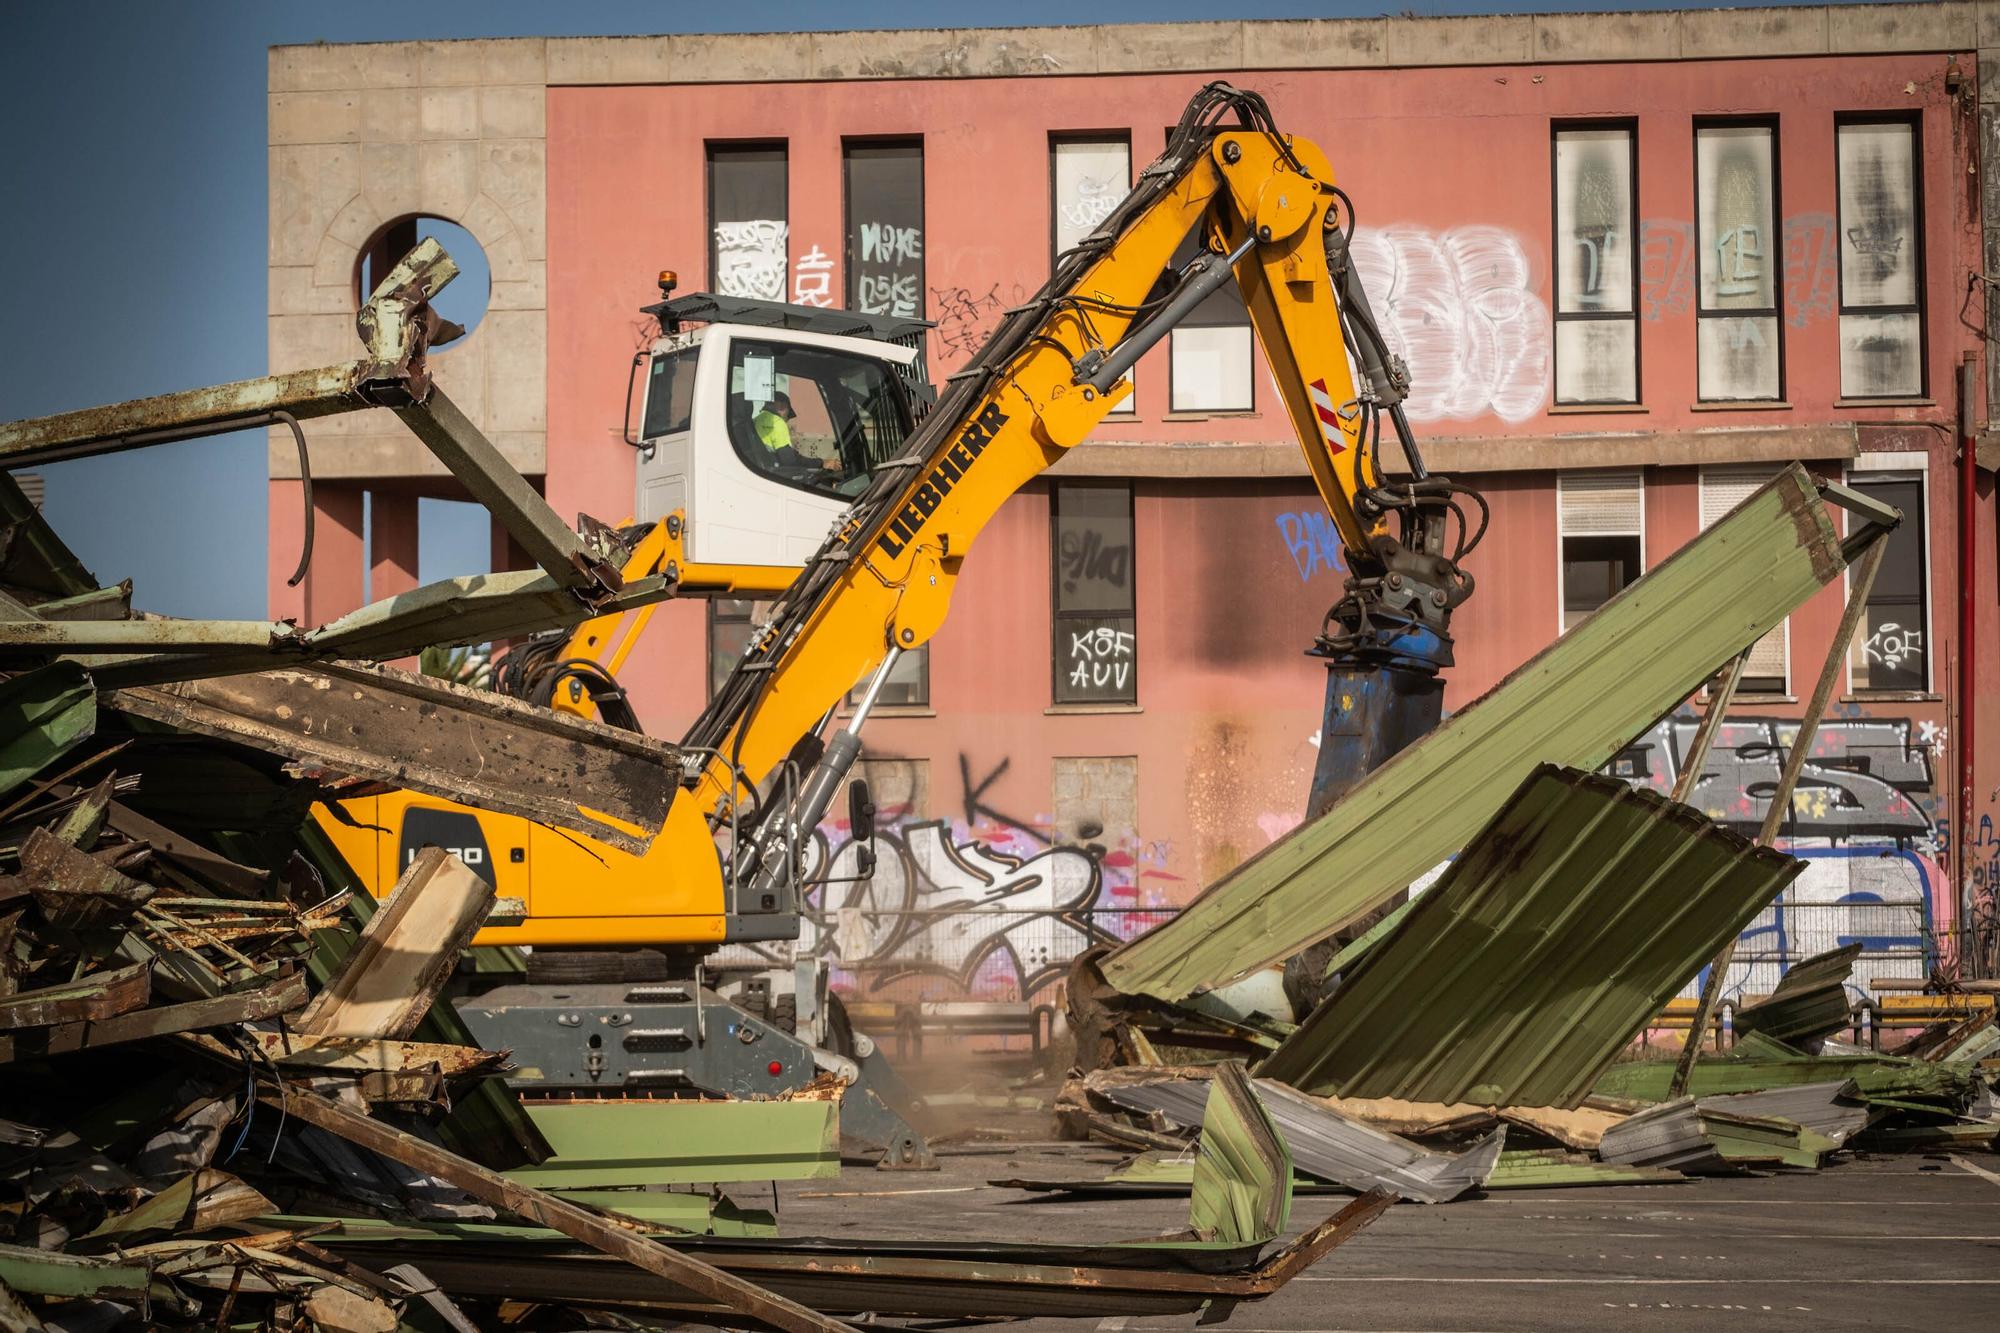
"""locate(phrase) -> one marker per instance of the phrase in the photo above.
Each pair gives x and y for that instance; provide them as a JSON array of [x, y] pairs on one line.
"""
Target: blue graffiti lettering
[[1313, 541]]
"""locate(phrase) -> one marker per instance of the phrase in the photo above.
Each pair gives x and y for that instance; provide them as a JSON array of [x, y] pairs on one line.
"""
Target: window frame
[[1914, 120], [1918, 474], [1776, 312], [1129, 406], [1630, 126], [849, 269], [708, 149], [714, 616], [1057, 615], [1638, 475], [884, 708], [750, 451]]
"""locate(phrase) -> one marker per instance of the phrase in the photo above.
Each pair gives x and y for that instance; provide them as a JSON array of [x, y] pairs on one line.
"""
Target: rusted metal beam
[[279, 997], [73, 637], [1781, 797], [466, 745], [579, 1224], [93, 996], [493, 481], [319, 392]]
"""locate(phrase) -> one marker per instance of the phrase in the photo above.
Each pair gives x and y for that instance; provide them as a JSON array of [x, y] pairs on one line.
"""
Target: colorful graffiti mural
[[1862, 819]]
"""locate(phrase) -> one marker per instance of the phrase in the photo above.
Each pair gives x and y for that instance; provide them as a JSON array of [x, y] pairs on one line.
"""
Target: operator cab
[[765, 422]]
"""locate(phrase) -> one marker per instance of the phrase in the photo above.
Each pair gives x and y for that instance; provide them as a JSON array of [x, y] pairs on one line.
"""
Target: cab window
[[670, 394], [816, 419]]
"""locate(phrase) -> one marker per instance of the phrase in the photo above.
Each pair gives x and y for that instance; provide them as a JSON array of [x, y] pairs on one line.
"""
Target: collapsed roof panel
[[428, 735], [1561, 929], [1578, 703]]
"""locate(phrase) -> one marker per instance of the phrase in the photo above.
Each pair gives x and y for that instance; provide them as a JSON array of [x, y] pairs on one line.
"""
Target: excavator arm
[[1271, 217]]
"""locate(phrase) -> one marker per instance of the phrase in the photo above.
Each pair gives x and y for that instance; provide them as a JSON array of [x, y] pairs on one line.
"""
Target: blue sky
[[135, 225]]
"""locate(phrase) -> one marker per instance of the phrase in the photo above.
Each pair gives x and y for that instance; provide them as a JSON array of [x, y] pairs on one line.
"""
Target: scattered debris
[[1809, 1003], [1327, 1145], [1577, 703], [1551, 941]]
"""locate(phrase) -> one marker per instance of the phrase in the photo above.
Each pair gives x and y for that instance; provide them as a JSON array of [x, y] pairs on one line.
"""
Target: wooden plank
[[579, 1224], [372, 1054], [387, 984]]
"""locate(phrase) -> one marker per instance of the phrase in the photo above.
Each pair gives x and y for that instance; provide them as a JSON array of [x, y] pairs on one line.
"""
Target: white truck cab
[[765, 422]]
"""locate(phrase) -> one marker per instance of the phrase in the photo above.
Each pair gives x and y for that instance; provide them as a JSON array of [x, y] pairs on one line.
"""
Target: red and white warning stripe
[[1329, 420]]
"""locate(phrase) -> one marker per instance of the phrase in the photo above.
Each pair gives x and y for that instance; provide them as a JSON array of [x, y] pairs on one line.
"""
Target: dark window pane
[[1894, 653], [1096, 641], [1594, 569], [670, 394], [885, 228], [747, 217], [1096, 659], [1093, 548], [729, 623]]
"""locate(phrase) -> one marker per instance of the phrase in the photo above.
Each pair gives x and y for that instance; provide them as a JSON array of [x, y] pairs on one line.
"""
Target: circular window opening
[[463, 301]]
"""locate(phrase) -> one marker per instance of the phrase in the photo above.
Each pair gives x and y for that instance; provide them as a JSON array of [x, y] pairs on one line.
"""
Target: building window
[[1209, 361], [1096, 630], [1881, 259], [1089, 176], [1601, 519], [747, 220], [909, 683], [1892, 651], [1597, 277], [1739, 353], [1769, 669], [730, 620], [885, 227]]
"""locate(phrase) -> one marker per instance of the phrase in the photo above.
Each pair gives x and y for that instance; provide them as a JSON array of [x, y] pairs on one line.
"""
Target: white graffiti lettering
[[1459, 306], [884, 244], [887, 294], [750, 259], [812, 283], [1892, 645]]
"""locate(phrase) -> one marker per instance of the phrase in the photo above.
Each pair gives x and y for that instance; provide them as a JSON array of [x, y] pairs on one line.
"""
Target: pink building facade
[[1634, 262]]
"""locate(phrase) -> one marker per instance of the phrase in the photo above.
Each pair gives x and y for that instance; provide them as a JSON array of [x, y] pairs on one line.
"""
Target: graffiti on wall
[[889, 270], [812, 279], [966, 317], [1460, 307], [1313, 543], [1861, 820], [1667, 266], [750, 258]]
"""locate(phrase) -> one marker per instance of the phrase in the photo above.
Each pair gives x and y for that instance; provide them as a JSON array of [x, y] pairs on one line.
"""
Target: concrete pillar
[[392, 541], [287, 523], [333, 584]]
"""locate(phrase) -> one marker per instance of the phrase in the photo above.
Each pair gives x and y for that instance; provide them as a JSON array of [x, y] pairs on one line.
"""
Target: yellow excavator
[[796, 455]]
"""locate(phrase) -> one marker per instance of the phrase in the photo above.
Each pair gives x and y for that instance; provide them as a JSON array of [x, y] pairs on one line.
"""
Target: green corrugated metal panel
[[1578, 702], [675, 1142], [1748, 1139], [1242, 1184], [1536, 1169], [1519, 976], [1876, 1078], [1810, 1001]]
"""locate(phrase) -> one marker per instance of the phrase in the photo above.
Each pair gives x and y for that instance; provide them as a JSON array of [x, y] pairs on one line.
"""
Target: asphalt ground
[[1910, 1242]]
